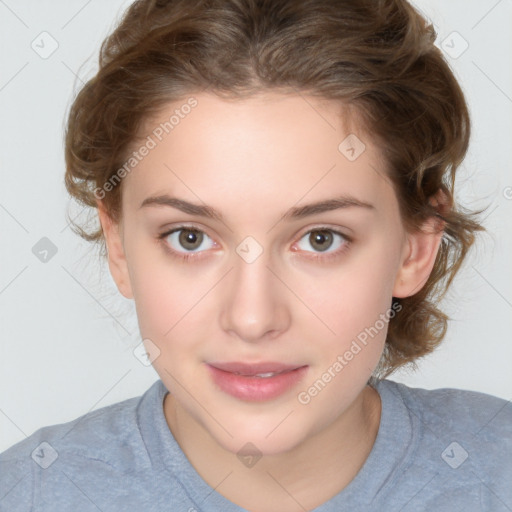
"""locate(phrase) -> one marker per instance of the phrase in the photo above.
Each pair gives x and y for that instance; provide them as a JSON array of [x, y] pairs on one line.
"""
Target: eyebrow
[[297, 212]]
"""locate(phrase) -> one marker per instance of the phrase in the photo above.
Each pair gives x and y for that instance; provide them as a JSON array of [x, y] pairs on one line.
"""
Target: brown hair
[[375, 56]]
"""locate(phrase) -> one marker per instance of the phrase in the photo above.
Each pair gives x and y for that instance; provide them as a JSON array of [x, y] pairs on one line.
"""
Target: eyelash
[[316, 256], [175, 254]]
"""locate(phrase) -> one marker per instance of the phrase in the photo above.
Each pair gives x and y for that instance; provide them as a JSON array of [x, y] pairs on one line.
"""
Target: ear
[[419, 255], [116, 256]]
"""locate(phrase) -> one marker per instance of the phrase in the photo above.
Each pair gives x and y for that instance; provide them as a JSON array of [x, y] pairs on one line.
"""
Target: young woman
[[275, 183]]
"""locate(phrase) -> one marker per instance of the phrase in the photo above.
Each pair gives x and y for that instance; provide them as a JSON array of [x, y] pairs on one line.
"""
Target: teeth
[[260, 375]]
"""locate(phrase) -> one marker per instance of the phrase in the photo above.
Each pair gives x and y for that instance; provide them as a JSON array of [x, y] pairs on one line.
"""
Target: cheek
[[353, 300], [359, 291], [159, 291], [173, 300]]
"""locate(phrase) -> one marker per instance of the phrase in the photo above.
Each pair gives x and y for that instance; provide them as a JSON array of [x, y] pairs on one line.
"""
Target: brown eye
[[320, 240], [190, 239], [323, 240], [185, 239]]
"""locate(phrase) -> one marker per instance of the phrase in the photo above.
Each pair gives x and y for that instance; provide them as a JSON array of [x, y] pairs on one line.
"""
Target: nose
[[254, 306]]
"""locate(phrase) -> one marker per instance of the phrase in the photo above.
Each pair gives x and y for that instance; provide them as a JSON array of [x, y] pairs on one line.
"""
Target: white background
[[67, 335]]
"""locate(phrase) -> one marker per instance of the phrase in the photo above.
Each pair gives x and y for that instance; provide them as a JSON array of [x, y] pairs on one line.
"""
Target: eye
[[185, 239], [322, 240]]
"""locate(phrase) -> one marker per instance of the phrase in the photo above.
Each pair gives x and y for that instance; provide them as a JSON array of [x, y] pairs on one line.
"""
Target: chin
[[271, 437]]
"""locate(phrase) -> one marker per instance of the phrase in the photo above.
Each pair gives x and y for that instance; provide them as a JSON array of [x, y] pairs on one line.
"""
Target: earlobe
[[116, 256], [418, 258]]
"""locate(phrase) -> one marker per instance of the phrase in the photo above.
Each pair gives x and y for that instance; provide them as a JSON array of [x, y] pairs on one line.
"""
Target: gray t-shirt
[[436, 450]]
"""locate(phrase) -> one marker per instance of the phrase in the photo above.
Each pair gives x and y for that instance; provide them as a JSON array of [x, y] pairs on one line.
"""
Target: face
[[268, 315]]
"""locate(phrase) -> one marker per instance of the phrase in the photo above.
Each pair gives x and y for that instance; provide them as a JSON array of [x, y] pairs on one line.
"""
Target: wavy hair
[[377, 57]]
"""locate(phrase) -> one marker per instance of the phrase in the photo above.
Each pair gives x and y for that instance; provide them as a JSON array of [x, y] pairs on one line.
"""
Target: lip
[[239, 379], [254, 368]]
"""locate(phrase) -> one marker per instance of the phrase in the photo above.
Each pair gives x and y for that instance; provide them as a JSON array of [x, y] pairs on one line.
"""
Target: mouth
[[256, 382]]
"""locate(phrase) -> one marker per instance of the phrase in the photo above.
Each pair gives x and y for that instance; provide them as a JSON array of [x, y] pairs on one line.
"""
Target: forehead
[[268, 149]]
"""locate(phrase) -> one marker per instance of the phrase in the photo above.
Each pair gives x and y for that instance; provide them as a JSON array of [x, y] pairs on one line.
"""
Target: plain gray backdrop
[[67, 335]]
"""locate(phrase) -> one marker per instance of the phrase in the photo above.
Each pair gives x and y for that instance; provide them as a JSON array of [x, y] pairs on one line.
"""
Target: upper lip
[[255, 368]]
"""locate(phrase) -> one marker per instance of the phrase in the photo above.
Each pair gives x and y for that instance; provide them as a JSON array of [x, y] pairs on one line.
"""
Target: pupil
[[190, 237], [321, 237]]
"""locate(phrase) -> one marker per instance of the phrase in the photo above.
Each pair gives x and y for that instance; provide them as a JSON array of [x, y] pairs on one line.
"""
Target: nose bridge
[[253, 304]]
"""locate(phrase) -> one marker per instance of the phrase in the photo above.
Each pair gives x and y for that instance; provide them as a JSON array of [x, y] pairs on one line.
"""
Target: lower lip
[[256, 389]]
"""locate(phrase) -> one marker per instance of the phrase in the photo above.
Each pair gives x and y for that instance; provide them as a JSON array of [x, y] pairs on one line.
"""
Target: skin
[[252, 160]]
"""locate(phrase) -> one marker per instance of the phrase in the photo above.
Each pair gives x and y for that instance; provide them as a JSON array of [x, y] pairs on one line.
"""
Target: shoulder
[[457, 409], [100, 442], [89, 434], [461, 439]]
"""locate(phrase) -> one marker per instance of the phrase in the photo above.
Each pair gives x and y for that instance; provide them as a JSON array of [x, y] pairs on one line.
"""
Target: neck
[[300, 479]]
